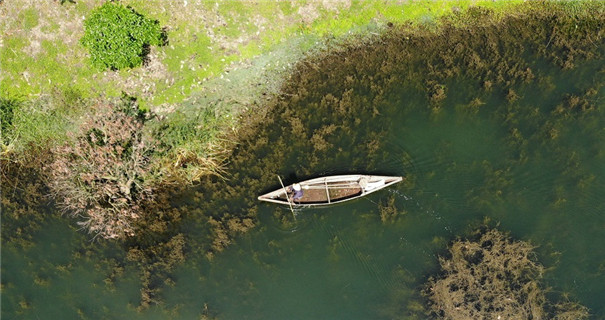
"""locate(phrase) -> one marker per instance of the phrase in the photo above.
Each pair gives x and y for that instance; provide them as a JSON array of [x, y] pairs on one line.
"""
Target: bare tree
[[100, 176]]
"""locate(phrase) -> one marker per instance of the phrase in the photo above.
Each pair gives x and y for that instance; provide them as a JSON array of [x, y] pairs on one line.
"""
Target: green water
[[343, 262], [526, 167]]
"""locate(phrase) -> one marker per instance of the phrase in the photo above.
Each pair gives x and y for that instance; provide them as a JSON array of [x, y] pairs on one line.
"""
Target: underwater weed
[[492, 276], [388, 211]]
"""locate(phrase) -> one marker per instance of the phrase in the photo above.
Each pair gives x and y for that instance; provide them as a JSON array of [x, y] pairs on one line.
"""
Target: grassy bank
[[222, 57], [41, 49]]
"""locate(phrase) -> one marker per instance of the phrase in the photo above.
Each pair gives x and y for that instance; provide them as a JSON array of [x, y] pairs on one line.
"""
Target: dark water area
[[462, 168], [499, 130]]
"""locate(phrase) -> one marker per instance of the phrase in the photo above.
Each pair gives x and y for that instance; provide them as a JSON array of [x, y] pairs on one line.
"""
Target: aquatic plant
[[511, 96], [24, 304], [492, 277], [156, 262], [24, 201], [224, 229], [285, 219], [388, 211], [207, 314]]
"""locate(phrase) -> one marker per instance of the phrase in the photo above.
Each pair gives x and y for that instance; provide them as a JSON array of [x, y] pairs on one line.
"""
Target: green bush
[[118, 37]]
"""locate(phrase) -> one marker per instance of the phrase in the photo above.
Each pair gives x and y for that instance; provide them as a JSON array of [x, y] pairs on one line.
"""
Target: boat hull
[[330, 190]]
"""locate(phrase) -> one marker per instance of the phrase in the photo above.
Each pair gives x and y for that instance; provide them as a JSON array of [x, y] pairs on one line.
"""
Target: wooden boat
[[330, 190]]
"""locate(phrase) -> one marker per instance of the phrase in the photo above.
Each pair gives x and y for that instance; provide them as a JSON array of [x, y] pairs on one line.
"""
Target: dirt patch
[[311, 11], [144, 80], [308, 13], [336, 5], [56, 23]]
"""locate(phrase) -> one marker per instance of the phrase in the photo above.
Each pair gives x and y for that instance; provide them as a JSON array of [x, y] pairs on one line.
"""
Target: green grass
[[417, 12], [12, 61], [41, 123], [29, 18], [191, 54]]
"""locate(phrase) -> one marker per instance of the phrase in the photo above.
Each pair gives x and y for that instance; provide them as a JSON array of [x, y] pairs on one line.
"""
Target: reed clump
[[191, 145]]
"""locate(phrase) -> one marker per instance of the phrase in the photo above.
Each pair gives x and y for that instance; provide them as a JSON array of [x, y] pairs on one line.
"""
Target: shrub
[[101, 176], [118, 37]]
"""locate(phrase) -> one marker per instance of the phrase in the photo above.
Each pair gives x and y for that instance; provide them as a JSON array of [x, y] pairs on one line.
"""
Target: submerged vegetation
[[501, 60], [388, 211], [493, 277]]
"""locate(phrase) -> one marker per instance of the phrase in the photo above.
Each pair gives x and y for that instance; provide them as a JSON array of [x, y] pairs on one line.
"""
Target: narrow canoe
[[331, 190]]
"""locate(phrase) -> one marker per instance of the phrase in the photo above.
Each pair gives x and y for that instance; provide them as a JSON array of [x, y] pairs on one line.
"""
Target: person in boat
[[297, 192]]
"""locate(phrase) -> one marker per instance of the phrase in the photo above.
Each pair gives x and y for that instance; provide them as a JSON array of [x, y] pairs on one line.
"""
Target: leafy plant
[[118, 37]]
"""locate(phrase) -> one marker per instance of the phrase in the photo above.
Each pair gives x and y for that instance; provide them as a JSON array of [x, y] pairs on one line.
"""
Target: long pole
[[286, 191]]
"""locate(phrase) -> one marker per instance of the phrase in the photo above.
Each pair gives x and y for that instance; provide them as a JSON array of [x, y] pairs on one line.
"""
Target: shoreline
[[50, 77], [229, 103]]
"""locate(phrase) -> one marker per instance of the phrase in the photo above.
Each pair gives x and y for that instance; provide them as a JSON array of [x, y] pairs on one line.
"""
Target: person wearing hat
[[297, 192]]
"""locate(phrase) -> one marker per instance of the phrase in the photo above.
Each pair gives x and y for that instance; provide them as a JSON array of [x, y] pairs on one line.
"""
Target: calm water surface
[[343, 262]]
